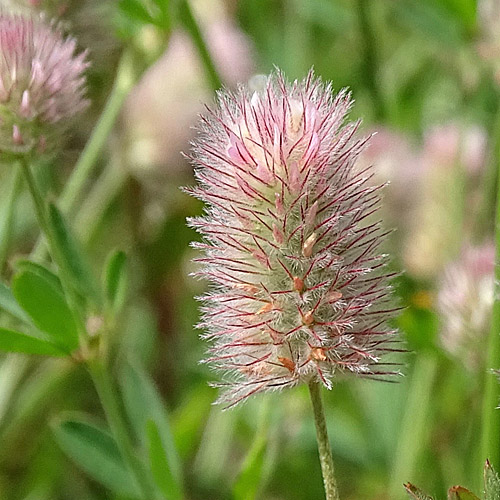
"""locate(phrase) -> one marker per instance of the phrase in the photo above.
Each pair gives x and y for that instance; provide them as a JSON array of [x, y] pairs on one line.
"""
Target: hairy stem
[[325, 452]]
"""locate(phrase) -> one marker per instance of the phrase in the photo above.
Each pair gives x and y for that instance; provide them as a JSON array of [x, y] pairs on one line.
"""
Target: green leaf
[[71, 256], [42, 271], [11, 341], [165, 18], [43, 301], [491, 483], [96, 452], [159, 463], [136, 11], [416, 493], [247, 485], [459, 493], [115, 280], [144, 404], [8, 304]]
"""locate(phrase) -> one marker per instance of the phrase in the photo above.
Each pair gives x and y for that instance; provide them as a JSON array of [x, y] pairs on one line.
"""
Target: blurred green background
[[425, 74]]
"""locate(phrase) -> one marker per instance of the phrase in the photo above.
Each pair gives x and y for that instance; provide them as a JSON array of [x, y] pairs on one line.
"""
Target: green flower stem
[[490, 438], [190, 24], [488, 188], [102, 380], [7, 221], [125, 80], [47, 232], [108, 396], [325, 452], [414, 426]]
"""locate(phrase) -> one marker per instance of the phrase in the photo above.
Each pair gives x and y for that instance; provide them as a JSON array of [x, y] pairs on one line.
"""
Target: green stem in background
[[47, 232], [8, 218], [190, 24], [108, 396], [490, 438], [102, 380], [369, 54], [126, 78], [489, 180], [325, 451], [412, 438]]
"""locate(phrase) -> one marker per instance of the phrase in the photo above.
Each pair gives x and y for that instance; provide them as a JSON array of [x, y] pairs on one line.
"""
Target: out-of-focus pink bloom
[[450, 145], [42, 84], [395, 161], [465, 303], [291, 248], [177, 83], [451, 162]]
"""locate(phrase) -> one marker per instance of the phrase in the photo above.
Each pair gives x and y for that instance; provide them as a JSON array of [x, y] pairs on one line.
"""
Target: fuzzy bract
[[42, 85], [291, 241]]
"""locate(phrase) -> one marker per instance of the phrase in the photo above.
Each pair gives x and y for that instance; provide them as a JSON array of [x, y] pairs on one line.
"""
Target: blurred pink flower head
[[395, 161], [465, 301], [450, 144], [42, 84], [299, 290]]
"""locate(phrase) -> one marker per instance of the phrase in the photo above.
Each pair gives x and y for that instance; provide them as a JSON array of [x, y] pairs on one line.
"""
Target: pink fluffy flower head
[[42, 84], [291, 244]]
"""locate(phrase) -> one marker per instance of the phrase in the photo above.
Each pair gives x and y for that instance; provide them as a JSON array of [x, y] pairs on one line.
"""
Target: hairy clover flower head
[[291, 243], [42, 84]]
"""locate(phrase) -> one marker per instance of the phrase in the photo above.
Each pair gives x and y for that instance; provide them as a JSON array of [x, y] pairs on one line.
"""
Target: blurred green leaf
[[164, 18], [459, 493], [44, 302], [8, 304], [144, 404], [115, 280], [159, 464], [416, 493], [247, 485], [136, 11], [190, 417], [491, 483], [11, 341], [155, 12], [72, 257], [96, 452], [163, 6], [465, 10], [432, 21], [42, 271]]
